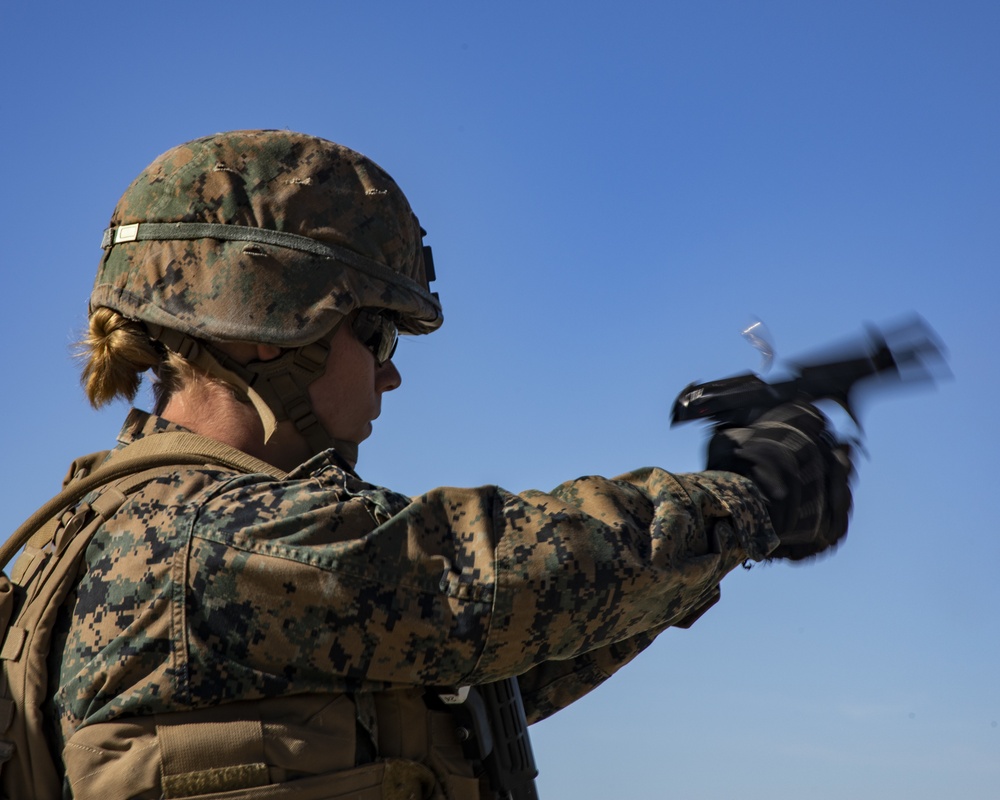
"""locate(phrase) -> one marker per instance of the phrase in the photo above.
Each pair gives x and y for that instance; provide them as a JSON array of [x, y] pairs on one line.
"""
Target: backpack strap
[[171, 449], [56, 537]]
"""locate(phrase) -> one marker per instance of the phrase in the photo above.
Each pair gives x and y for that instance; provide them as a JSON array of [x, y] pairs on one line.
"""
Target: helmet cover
[[264, 236]]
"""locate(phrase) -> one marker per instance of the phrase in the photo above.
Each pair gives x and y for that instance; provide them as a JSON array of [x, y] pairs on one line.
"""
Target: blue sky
[[612, 192]]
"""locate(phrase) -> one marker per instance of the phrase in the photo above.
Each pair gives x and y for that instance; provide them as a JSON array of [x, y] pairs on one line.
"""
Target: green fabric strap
[[168, 231]]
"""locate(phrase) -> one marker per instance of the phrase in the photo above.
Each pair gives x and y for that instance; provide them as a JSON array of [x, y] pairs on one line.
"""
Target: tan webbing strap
[[278, 389], [33, 551], [176, 448], [181, 443], [216, 756], [216, 363]]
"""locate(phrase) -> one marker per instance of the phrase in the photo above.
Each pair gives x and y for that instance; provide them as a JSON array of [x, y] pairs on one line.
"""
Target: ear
[[267, 352]]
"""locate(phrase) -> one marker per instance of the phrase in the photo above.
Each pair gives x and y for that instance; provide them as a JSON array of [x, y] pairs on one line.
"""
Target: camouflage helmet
[[264, 236]]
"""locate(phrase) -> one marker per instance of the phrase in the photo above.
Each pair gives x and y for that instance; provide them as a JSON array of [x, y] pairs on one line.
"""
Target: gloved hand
[[802, 471]]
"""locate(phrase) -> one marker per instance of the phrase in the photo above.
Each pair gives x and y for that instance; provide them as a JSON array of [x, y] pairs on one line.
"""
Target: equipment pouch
[[396, 779]]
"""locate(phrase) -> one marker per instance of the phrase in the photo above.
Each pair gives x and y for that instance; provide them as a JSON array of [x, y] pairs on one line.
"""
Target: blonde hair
[[117, 350]]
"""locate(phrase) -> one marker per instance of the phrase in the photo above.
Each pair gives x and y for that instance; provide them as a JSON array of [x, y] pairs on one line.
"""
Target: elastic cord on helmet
[[167, 231], [277, 389]]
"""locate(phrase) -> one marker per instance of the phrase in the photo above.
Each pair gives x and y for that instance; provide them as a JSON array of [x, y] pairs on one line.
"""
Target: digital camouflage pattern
[[230, 631], [211, 587], [277, 181]]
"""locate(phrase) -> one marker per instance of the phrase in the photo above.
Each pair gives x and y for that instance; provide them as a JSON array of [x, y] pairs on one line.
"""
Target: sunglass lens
[[378, 333]]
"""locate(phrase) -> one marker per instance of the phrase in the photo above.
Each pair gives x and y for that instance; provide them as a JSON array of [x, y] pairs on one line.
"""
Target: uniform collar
[[139, 424]]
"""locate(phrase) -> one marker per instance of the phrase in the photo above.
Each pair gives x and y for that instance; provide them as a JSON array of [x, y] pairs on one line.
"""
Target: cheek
[[349, 367], [346, 390]]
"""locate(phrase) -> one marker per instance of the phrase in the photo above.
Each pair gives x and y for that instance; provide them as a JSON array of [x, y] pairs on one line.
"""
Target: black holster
[[494, 733]]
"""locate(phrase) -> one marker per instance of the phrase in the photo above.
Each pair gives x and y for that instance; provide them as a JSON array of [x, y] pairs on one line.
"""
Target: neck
[[210, 409]]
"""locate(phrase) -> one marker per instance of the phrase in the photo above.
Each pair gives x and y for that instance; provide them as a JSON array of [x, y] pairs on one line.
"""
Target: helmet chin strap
[[278, 389]]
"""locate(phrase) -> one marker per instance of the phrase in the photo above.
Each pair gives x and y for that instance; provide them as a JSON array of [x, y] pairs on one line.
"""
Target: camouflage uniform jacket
[[209, 586]]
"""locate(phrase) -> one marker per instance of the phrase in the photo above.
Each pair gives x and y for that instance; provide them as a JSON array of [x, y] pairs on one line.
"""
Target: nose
[[387, 377]]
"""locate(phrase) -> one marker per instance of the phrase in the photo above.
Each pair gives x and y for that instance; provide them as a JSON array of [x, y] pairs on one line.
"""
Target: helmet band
[[173, 231]]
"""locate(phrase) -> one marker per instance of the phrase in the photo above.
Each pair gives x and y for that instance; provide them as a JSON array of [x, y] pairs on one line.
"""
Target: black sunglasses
[[376, 331]]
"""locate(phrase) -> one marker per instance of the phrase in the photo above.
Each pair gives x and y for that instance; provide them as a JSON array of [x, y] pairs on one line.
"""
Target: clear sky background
[[612, 191]]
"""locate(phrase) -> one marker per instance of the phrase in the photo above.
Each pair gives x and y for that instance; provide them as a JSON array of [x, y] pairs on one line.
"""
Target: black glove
[[802, 471]]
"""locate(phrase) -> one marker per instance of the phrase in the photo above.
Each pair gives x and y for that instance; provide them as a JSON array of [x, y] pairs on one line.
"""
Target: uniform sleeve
[[600, 561], [458, 586], [552, 685]]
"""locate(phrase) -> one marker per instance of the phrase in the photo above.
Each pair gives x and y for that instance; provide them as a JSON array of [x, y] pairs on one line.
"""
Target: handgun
[[903, 354]]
